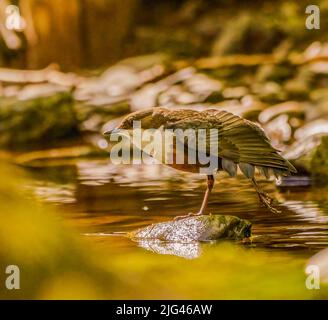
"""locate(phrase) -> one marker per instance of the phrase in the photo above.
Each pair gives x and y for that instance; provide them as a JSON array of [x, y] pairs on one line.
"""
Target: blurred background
[[70, 70], [83, 33], [98, 60]]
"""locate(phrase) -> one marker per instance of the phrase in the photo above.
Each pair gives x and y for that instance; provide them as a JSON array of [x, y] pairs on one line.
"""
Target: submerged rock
[[190, 229]]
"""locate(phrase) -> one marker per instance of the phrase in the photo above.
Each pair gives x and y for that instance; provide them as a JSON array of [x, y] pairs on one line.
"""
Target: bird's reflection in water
[[189, 250]]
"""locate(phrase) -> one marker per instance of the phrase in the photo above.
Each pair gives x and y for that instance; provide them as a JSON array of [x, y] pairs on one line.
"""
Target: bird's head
[[143, 116], [147, 119]]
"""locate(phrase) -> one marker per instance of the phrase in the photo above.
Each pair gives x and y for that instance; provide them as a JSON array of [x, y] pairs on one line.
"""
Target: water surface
[[104, 201]]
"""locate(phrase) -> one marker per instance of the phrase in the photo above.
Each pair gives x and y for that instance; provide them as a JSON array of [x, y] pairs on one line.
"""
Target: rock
[[116, 81], [312, 128], [182, 237], [147, 96], [234, 92], [314, 50], [143, 62], [93, 117], [310, 155], [247, 107], [32, 91], [317, 111], [269, 92], [319, 68], [36, 121], [251, 107], [190, 229], [203, 84], [190, 250], [319, 94], [281, 120], [274, 72], [297, 88], [279, 131], [291, 108]]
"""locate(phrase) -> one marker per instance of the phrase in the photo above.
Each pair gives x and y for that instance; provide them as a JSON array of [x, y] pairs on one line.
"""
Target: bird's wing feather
[[239, 140], [253, 145]]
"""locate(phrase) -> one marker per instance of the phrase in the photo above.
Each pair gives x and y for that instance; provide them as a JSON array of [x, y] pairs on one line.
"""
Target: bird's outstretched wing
[[239, 141]]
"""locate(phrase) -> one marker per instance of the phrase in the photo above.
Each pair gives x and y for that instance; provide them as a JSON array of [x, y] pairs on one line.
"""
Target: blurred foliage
[[55, 263], [108, 30], [218, 27]]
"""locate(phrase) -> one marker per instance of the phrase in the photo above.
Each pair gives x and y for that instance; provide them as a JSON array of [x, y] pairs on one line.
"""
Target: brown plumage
[[241, 143]]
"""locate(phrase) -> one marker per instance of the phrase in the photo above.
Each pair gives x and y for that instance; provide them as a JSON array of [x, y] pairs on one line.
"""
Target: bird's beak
[[113, 131]]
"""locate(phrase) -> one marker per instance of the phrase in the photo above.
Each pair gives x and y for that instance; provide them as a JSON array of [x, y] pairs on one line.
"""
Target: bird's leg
[[265, 199], [210, 184], [261, 193]]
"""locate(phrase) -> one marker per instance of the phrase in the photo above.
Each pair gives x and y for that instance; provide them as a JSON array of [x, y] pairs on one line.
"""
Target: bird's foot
[[190, 214], [267, 201], [266, 196]]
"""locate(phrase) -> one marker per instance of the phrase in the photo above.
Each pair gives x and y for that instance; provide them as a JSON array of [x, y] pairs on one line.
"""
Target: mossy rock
[[198, 228], [311, 156], [319, 161], [36, 121]]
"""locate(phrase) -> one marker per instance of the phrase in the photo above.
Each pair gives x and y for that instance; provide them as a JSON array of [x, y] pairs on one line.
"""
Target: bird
[[241, 143]]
